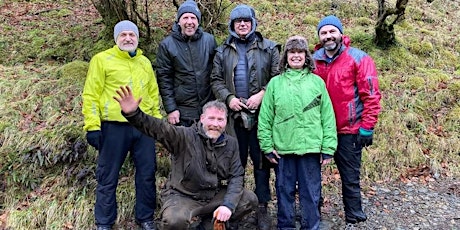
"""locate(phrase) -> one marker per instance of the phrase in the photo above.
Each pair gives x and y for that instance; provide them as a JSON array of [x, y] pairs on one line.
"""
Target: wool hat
[[188, 6], [330, 20], [124, 26], [242, 11], [298, 43]]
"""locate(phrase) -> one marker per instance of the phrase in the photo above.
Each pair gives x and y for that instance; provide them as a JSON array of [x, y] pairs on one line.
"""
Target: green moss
[[73, 70], [415, 83], [364, 21]]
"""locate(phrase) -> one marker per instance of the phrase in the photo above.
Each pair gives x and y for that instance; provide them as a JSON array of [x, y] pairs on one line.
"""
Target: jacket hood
[[258, 38], [242, 11]]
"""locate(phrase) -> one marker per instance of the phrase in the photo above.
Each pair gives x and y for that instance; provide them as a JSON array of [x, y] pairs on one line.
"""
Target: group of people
[[285, 109]]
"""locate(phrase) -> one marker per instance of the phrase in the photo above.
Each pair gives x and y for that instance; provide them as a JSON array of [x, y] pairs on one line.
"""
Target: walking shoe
[[264, 221], [351, 226], [148, 225]]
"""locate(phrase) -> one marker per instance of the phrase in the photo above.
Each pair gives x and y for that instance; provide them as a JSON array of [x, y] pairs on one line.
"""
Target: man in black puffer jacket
[[183, 67], [242, 67]]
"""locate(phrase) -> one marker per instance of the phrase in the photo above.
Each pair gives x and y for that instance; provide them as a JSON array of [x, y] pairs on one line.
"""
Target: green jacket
[[296, 115], [108, 70]]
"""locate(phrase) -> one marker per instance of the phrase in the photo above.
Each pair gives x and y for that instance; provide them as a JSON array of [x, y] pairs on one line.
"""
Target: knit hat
[[188, 6], [330, 20], [242, 11], [124, 26], [298, 43]]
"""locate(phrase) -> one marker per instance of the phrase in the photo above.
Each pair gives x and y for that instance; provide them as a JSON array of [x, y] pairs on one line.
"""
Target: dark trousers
[[117, 139], [348, 160], [179, 211], [305, 172], [249, 145]]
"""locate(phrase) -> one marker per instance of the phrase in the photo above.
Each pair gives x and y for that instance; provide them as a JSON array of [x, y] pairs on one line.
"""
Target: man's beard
[[333, 46], [213, 134]]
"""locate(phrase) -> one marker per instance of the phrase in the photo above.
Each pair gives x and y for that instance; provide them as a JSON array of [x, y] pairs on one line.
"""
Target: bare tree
[[384, 30], [113, 11], [212, 12]]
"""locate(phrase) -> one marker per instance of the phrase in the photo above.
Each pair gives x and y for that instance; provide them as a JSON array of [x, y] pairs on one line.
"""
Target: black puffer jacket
[[183, 68], [199, 168], [263, 59]]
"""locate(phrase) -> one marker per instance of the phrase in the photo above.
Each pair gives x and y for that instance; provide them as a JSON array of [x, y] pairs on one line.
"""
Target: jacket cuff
[[229, 98], [229, 206], [127, 115], [326, 156]]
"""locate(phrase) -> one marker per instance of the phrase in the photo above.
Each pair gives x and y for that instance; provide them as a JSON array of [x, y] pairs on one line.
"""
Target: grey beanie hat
[[124, 26], [188, 6], [242, 11], [330, 20], [299, 43]]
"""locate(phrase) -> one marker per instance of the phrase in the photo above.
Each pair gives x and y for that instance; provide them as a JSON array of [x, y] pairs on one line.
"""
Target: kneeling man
[[206, 174]]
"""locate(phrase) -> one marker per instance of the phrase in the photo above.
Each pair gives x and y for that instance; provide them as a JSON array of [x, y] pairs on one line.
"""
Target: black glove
[[365, 137], [94, 138]]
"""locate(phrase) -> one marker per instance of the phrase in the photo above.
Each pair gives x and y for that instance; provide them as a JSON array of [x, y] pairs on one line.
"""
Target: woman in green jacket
[[297, 132]]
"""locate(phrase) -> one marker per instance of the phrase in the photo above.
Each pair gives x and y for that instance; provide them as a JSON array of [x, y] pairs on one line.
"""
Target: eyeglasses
[[241, 20]]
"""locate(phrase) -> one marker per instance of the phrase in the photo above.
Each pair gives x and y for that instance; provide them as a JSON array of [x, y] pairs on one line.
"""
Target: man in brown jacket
[[206, 174]]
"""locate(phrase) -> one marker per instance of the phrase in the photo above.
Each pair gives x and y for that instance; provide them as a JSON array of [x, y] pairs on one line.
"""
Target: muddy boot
[[264, 221]]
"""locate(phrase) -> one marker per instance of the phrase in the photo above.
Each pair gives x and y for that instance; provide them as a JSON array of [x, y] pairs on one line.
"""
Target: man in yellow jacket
[[110, 133]]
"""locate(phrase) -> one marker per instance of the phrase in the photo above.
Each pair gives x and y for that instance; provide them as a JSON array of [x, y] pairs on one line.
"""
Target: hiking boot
[[351, 226], [264, 221], [148, 225]]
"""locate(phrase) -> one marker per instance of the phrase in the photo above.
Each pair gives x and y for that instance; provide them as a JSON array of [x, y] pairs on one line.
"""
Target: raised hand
[[126, 100]]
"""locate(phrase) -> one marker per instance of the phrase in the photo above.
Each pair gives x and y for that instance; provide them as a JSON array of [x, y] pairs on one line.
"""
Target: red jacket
[[351, 80]]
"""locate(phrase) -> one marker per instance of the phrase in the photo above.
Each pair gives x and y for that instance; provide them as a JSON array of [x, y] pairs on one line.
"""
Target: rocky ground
[[396, 206]]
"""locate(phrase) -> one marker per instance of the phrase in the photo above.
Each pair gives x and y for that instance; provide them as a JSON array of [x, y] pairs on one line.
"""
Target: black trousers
[[348, 160], [118, 139]]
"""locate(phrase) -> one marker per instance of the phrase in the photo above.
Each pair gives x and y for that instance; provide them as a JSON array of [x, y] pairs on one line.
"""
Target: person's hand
[[222, 213], [126, 100], [272, 157], [173, 117], [365, 137], [255, 100], [236, 104], [94, 138]]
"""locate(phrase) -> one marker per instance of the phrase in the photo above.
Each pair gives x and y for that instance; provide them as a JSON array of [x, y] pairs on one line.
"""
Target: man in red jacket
[[351, 80]]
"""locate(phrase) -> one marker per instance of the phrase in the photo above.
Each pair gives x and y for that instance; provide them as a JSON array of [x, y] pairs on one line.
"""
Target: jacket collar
[[125, 54], [320, 52], [177, 33], [221, 141], [258, 39]]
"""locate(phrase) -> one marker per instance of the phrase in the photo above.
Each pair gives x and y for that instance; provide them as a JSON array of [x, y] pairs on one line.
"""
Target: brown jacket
[[199, 168]]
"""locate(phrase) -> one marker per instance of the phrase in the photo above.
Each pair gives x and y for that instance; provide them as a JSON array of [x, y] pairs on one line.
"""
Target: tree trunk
[[384, 31]]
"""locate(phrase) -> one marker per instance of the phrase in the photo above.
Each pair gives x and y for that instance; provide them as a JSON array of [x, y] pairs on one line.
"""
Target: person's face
[[188, 23], [242, 26], [127, 41], [296, 58], [214, 122], [330, 37]]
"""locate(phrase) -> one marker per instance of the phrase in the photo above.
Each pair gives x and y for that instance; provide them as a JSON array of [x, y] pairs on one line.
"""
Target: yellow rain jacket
[[110, 69]]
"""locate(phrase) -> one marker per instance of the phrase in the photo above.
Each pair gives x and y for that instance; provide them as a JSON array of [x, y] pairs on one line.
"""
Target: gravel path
[[397, 206]]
